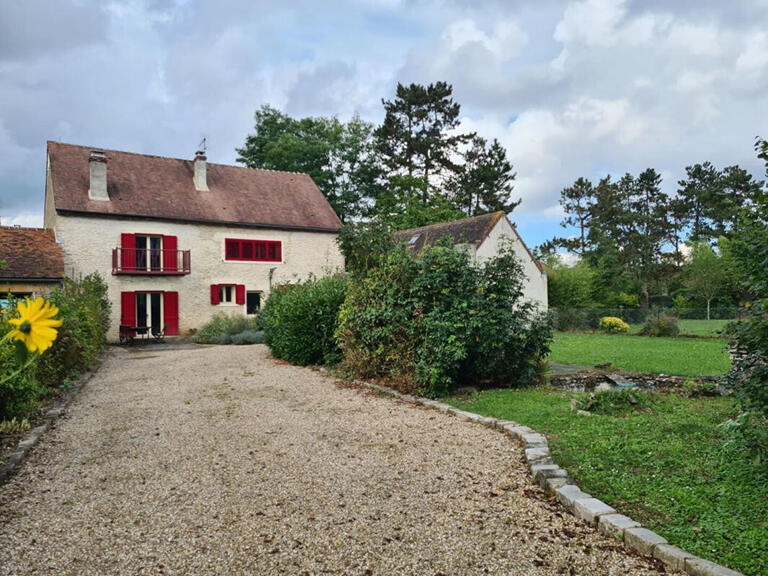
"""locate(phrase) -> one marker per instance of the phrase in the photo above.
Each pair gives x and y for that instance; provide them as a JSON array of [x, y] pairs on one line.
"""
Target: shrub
[[300, 320], [221, 328], [14, 426], [615, 402], [434, 321], [613, 325], [248, 337], [660, 325], [85, 309]]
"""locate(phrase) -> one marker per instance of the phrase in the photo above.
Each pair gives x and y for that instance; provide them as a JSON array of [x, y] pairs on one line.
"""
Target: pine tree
[[577, 201], [486, 180]]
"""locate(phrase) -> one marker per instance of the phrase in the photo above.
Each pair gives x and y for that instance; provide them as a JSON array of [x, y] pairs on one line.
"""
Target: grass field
[[671, 468], [704, 328], [680, 356]]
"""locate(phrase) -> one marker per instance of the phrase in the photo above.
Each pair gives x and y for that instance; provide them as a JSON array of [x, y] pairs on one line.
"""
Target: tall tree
[[339, 157], [577, 201], [485, 181], [698, 192], [418, 137], [739, 191], [705, 273]]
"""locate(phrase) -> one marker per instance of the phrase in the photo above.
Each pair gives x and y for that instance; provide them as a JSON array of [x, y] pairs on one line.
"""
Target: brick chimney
[[97, 163], [201, 181]]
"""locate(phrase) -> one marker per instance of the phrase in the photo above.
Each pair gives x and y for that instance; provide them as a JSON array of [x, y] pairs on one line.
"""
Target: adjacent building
[[482, 236], [31, 263], [181, 240]]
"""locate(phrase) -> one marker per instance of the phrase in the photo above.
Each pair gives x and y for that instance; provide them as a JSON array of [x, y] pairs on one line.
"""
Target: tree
[[705, 273], [418, 137], [339, 157], [739, 191], [570, 286], [577, 201], [485, 181], [698, 193]]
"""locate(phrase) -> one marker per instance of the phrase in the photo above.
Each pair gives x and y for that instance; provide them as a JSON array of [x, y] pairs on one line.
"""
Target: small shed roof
[[30, 254]]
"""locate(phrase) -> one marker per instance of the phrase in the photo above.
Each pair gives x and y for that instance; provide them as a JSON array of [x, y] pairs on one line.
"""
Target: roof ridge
[[174, 158], [19, 227]]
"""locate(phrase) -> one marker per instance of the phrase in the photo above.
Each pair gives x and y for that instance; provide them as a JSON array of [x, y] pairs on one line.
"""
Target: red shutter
[[128, 310], [240, 294], [170, 256], [214, 294], [128, 252], [171, 313]]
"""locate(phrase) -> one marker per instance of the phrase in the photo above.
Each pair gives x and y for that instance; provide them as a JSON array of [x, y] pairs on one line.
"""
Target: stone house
[[180, 240], [482, 236], [33, 262]]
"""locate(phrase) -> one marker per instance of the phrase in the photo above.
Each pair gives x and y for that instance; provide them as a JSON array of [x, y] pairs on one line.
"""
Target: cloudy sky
[[571, 88]]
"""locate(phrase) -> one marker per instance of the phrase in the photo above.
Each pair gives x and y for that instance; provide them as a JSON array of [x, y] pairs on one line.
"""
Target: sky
[[571, 88]]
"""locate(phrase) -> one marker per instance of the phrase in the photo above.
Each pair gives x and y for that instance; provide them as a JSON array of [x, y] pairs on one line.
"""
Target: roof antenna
[[203, 146]]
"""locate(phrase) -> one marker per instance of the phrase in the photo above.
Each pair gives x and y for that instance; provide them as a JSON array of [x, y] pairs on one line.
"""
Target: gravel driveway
[[222, 460]]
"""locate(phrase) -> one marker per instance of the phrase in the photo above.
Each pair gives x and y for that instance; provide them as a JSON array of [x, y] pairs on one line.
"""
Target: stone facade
[[88, 242]]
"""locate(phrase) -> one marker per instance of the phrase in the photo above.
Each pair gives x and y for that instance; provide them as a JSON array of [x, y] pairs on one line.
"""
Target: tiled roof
[[162, 188], [30, 254], [466, 231]]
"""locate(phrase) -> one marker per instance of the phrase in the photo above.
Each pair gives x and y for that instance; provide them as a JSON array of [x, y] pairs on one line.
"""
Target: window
[[253, 250], [226, 293]]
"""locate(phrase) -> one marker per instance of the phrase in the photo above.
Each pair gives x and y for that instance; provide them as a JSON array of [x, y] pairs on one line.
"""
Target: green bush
[[431, 322], [300, 320], [613, 325], [85, 310], [221, 328], [615, 402], [248, 337], [660, 325]]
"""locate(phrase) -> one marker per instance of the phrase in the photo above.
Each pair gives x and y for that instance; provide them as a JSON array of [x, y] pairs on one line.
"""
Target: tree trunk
[[708, 301]]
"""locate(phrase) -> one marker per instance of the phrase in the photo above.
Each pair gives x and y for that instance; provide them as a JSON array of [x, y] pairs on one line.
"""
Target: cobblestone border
[[33, 437], [557, 484]]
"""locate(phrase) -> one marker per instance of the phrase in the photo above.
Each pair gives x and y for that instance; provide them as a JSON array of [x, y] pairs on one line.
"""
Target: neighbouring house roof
[[30, 254], [472, 231], [143, 186]]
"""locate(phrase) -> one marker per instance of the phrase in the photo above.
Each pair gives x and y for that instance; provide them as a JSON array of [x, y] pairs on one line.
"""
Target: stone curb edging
[[556, 483], [32, 438]]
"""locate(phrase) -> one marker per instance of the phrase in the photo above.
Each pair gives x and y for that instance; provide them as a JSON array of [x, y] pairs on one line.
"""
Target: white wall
[[87, 243], [535, 287]]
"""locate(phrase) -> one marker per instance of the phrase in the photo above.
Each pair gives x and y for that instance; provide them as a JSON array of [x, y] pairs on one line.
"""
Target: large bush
[[221, 329], [434, 321], [613, 325], [300, 320], [85, 309]]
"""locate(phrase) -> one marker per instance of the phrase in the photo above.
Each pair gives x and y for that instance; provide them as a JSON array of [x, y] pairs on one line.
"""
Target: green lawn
[[671, 468], [705, 328], [680, 356]]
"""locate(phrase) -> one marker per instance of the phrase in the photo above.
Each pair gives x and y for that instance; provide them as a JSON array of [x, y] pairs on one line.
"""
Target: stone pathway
[[222, 460]]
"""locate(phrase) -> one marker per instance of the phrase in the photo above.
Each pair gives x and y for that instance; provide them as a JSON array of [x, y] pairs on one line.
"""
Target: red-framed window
[[253, 250], [227, 294]]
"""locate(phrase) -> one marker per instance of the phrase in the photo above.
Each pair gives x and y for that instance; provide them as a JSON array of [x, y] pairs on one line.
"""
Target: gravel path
[[224, 461]]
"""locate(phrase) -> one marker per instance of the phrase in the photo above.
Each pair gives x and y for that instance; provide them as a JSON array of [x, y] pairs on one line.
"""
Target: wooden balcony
[[150, 262]]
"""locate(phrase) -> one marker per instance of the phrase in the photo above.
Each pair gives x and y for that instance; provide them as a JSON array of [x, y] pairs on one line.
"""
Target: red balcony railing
[[150, 262]]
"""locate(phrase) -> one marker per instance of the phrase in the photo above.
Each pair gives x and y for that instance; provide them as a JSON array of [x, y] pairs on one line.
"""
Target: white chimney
[[201, 181], [98, 167]]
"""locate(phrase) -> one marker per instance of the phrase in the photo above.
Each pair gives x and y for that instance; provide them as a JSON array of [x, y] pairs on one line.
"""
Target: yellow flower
[[36, 325]]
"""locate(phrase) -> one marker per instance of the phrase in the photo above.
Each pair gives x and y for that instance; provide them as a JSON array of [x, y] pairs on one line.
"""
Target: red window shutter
[[170, 256], [128, 252], [240, 294], [214, 294], [128, 309], [171, 313]]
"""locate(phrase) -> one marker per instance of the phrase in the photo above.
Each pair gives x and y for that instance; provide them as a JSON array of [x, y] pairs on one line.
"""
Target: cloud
[[578, 88]]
